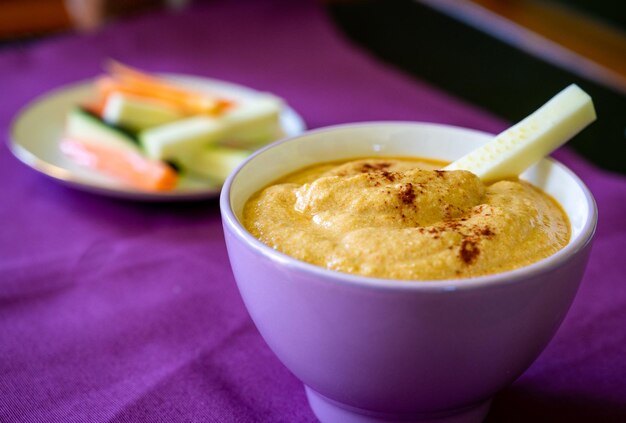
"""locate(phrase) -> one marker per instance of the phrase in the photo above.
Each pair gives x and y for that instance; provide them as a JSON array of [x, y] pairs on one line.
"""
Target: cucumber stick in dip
[[514, 150]]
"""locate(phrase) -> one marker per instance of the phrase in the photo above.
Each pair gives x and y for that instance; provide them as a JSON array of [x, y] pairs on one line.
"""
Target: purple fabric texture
[[114, 311]]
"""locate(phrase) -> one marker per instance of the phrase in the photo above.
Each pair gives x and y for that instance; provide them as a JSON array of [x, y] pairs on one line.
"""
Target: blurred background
[[474, 49]]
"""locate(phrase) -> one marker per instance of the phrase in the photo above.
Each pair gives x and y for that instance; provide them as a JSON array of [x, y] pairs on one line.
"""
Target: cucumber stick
[[254, 122], [89, 129], [137, 113], [181, 138], [249, 123], [215, 163], [525, 143]]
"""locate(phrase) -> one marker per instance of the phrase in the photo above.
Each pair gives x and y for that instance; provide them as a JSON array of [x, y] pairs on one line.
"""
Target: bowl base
[[329, 411]]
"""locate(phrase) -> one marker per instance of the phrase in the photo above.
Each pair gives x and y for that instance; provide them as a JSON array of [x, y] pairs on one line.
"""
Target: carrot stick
[[106, 86], [131, 168], [151, 85]]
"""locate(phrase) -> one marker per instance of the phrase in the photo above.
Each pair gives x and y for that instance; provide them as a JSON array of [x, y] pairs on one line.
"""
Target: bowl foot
[[329, 411]]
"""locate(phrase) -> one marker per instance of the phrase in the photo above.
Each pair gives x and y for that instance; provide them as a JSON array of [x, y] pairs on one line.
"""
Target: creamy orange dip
[[403, 219]]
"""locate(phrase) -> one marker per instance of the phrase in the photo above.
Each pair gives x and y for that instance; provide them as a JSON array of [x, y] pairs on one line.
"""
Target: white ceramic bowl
[[371, 350]]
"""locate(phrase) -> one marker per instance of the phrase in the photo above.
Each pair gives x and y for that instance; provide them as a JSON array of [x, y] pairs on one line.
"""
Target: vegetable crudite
[[148, 131]]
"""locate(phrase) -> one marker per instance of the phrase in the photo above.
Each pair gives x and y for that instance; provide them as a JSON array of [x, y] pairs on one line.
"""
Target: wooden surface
[[559, 34], [33, 18], [28, 17]]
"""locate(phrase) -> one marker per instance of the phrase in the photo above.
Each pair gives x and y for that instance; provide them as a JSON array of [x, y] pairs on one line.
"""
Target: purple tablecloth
[[124, 312]]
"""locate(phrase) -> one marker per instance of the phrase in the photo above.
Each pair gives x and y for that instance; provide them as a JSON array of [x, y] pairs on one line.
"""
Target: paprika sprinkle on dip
[[401, 218]]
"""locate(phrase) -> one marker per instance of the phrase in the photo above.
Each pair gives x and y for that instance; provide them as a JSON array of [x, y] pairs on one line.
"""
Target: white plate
[[37, 130]]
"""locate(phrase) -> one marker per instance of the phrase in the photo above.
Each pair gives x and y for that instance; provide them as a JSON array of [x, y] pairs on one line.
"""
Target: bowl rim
[[232, 223]]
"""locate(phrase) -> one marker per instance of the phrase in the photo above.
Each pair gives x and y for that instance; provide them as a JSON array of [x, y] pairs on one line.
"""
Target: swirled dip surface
[[400, 219]]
